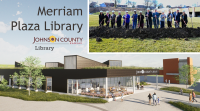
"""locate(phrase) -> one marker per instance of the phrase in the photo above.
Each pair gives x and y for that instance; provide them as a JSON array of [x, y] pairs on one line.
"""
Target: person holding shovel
[[169, 19], [101, 18], [140, 20], [148, 16], [113, 19], [127, 20], [176, 18], [155, 19], [107, 17], [118, 20], [134, 19], [162, 19], [184, 20]]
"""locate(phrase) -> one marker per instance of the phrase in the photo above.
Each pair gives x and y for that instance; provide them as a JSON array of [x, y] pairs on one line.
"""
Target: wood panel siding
[[83, 62], [70, 62]]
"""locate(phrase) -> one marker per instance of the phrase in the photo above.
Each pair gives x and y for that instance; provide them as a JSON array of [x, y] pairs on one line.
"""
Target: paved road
[[135, 102]]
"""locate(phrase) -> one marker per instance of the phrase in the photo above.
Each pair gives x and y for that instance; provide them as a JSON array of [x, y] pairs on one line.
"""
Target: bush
[[177, 89], [3, 85], [183, 106], [42, 96], [144, 83]]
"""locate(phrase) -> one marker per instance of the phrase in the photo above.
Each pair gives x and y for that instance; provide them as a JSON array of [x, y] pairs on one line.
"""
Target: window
[[1, 77], [49, 84]]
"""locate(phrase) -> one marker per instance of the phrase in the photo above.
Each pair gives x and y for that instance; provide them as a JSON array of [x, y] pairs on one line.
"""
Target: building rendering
[[78, 75]]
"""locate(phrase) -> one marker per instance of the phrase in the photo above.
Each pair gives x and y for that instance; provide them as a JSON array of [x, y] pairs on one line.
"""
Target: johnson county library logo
[[53, 39], [146, 71]]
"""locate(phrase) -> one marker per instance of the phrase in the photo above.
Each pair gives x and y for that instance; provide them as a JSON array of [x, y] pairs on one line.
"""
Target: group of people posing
[[156, 99], [139, 19]]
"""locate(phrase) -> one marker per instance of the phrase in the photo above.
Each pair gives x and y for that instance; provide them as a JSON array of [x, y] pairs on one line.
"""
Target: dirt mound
[[121, 32]]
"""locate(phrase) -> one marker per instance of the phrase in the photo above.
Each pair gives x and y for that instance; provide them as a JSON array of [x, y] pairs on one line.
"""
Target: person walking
[[190, 97], [101, 18], [162, 19], [113, 19], [166, 81], [184, 20], [149, 96], [148, 16], [127, 20], [119, 83], [122, 97], [169, 19], [140, 20], [193, 96], [158, 101], [107, 17], [176, 18], [181, 91], [154, 99], [134, 19], [118, 20], [138, 86], [156, 19]]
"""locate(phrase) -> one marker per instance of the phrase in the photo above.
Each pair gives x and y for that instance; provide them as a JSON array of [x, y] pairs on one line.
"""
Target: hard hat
[[113, 11], [101, 11], [148, 8]]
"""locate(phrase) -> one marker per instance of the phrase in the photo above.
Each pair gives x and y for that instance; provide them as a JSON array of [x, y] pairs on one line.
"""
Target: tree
[[168, 6], [160, 5], [30, 74], [3, 85], [187, 74], [149, 3]]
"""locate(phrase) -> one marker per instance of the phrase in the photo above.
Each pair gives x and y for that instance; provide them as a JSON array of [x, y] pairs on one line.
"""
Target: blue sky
[[16, 45], [165, 2]]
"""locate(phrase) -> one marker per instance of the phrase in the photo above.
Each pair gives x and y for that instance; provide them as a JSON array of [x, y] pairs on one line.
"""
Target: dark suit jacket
[[142, 19], [184, 18], [101, 17], [150, 16], [113, 18], [107, 18], [176, 16]]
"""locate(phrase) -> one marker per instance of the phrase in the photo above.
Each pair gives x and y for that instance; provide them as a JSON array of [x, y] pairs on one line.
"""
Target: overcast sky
[[16, 45], [165, 2]]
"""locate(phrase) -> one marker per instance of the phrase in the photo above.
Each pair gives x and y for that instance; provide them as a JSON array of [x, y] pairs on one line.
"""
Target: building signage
[[147, 72]]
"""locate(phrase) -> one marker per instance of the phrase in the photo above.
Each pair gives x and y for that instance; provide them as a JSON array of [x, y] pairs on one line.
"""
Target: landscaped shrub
[[183, 106], [144, 83], [177, 89], [3, 85]]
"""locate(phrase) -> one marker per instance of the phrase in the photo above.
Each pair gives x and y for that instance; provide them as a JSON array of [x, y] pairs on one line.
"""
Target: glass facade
[[97, 84], [115, 63]]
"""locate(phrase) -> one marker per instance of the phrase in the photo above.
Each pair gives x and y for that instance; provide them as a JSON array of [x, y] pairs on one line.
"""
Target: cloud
[[58, 33], [21, 22], [11, 53], [18, 13], [4, 27]]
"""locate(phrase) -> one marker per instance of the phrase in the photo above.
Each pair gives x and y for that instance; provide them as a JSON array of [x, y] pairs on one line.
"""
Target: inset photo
[[144, 26]]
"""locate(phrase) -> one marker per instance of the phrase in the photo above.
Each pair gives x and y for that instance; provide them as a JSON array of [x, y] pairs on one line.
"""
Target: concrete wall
[[70, 62], [115, 63], [53, 64]]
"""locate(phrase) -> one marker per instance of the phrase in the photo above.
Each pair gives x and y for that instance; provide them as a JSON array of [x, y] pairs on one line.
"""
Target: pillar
[[156, 81], [72, 86], [77, 87], [133, 84], [67, 85], [9, 82], [106, 86]]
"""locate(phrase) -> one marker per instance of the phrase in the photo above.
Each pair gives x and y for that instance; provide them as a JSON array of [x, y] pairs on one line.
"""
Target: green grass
[[41, 96], [144, 83], [177, 89], [183, 106], [146, 45], [94, 20], [131, 67], [6, 66], [155, 75]]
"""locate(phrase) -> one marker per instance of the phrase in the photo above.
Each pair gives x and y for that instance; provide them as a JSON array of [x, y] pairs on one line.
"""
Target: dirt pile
[[121, 32]]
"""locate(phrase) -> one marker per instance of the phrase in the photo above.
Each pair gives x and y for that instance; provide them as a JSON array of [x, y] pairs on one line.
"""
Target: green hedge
[[42, 96], [183, 106], [144, 83], [177, 89]]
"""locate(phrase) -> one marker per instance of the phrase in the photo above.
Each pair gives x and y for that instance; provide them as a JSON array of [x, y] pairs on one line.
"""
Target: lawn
[[41, 96], [177, 89], [184, 106], [6, 66], [155, 75], [146, 45]]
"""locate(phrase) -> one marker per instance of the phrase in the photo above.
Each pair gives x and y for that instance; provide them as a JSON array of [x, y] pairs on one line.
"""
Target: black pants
[[169, 23], [127, 25], [107, 24], [113, 24], [101, 22], [149, 24], [162, 24], [194, 99], [183, 25]]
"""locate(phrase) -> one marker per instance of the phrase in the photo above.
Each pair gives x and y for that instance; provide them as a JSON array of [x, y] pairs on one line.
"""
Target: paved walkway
[[135, 102]]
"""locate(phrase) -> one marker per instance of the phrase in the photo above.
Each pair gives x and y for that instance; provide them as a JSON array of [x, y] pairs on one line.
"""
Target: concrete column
[[145, 78], [106, 86], [133, 84], [156, 81], [9, 82], [72, 86], [67, 86], [77, 87]]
